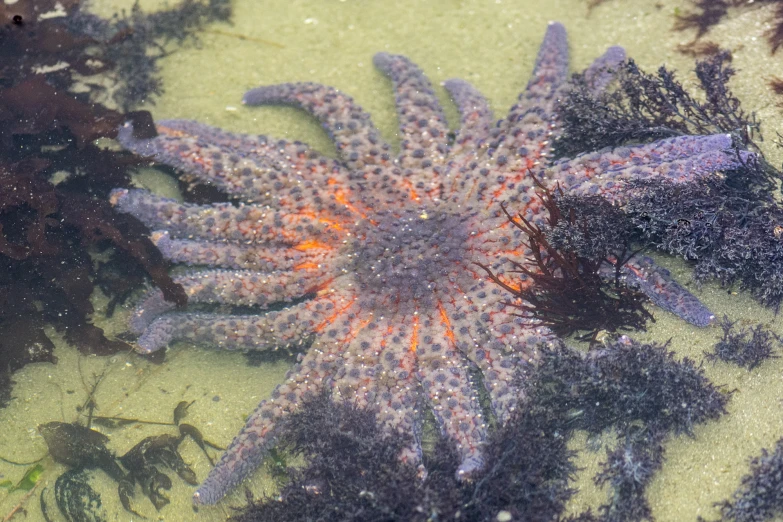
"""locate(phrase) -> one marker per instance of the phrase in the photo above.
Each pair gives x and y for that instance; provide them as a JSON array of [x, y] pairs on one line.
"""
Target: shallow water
[[492, 44]]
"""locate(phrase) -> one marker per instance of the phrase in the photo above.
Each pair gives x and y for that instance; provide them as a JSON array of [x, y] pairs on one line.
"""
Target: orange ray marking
[[321, 288], [411, 190], [332, 224], [518, 286], [320, 219], [389, 331], [308, 265], [444, 316], [311, 244], [512, 253], [342, 198], [329, 320], [415, 336], [354, 333]]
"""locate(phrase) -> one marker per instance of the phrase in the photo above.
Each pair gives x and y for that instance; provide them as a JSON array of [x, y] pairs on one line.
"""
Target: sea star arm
[[240, 256], [252, 168], [651, 154], [280, 329], [236, 287], [358, 142], [476, 341], [657, 284], [381, 378], [475, 116], [250, 446], [251, 288], [639, 271], [526, 132], [270, 149], [680, 159], [477, 316], [423, 125], [224, 221], [411, 348], [523, 139], [443, 373], [602, 71], [378, 372]]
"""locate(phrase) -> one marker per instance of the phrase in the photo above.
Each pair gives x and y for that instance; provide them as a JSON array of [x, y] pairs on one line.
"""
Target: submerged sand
[[491, 44]]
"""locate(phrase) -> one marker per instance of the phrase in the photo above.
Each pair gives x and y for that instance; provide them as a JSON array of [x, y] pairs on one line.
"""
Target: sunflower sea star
[[372, 258]]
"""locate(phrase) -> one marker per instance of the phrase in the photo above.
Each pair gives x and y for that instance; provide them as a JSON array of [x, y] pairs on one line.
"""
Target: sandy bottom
[[491, 44]]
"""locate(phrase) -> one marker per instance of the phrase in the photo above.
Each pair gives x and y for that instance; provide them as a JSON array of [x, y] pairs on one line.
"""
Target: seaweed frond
[[709, 13], [643, 107], [746, 348], [574, 284]]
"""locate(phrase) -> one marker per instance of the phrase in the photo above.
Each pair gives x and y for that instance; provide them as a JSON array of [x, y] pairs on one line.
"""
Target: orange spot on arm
[[311, 244], [445, 318], [332, 318], [415, 336], [342, 198]]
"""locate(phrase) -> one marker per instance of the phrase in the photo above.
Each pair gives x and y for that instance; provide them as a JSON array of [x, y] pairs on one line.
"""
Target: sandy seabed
[[492, 44]]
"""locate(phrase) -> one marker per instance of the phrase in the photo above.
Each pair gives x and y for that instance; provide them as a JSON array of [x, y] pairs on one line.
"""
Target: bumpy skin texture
[[379, 254]]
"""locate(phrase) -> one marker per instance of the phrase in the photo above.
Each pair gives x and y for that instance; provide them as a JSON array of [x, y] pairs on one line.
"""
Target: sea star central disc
[[407, 255]]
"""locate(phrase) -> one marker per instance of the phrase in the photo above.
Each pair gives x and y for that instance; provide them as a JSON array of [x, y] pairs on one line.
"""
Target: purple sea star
[[376, 255]]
